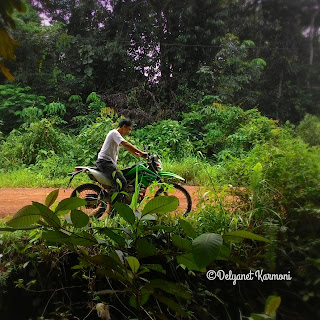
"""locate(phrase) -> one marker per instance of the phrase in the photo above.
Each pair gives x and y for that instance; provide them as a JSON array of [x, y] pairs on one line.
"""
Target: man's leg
[[120, 184], [122, 179], [119, 181], [107, 167]]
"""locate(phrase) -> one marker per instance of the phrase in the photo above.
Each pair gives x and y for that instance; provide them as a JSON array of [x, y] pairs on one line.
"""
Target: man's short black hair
[[125, 122]]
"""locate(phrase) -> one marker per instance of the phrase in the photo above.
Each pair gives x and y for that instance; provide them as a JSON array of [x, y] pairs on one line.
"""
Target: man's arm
[[134, 150]]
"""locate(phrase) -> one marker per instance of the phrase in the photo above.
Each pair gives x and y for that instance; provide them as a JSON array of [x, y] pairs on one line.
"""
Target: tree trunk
[[280, 86], [311, 38]]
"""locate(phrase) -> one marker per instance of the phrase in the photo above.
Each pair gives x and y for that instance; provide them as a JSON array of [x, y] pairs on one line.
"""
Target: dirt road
[[11, 200]]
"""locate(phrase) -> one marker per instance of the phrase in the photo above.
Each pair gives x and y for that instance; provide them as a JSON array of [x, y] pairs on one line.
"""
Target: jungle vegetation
[[226, 92]]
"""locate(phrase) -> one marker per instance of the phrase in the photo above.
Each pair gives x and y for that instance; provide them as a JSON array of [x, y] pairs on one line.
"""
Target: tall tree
[[7, 43], [280, 30], [156, 55]]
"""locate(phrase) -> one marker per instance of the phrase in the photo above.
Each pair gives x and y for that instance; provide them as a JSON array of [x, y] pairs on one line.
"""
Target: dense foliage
[[138, 260], [146, 264], [270, 172], [226, 92], [149, 59], [232, 141]]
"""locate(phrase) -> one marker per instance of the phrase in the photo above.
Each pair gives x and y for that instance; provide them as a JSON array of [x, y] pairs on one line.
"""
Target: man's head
[[125, 127]]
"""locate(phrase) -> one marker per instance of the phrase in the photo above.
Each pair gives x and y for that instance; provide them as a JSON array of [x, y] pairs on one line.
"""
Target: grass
[[26, 178], [194, 170]]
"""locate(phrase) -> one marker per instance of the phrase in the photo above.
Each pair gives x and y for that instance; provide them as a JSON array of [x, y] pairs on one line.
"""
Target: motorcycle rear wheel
[[96, 197]]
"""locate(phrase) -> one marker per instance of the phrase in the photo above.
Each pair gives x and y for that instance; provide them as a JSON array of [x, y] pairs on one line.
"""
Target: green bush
[[14, 100], [138, 253], [23, 146], [52, 165], [290, 171], [220, 130], [255, 130], [209, 123], [197, 171], [90, 140], [309, 130], [167, 137]]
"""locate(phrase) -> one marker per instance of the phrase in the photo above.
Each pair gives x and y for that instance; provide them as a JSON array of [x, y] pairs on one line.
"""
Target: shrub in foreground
[[133, 263]]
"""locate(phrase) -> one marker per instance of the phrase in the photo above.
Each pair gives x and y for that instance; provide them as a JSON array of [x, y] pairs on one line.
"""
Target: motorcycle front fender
[[72, 175], [171, 175]]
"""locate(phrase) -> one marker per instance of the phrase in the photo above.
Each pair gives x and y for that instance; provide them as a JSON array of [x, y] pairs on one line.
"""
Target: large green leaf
[[79, 218], [224, 253], [125, 212], [205, 248], [181, 243], [114, 236], [163, 204], [272, 304], [104, 261], [149, 217], [244, 235], [187, 228], [83, 239], [134, 264], [155, 267], [51, 198], [25, 217], [133, 301], [48, 215], [140, 300], [56, 237], [145, 248], [187, 260], [118, 256], [70, 204]]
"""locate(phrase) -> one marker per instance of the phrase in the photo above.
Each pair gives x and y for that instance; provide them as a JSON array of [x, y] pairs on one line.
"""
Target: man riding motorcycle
[[109, 181], [108, 155]]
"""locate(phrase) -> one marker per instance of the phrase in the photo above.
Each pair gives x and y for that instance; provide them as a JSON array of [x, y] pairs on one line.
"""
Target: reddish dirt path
[[13, 199]]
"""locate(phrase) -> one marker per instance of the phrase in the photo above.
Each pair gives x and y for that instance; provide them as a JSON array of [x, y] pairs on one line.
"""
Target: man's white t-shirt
[[111, 145]]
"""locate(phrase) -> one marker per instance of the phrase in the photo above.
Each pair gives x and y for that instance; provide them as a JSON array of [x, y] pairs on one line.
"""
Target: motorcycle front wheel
[[185, 202], [96, 197]]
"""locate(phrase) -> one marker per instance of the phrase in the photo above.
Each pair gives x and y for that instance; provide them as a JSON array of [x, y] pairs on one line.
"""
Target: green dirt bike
[[99, 196]]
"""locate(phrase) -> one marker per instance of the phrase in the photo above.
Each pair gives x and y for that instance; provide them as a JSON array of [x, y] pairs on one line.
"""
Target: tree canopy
[[149, 59]]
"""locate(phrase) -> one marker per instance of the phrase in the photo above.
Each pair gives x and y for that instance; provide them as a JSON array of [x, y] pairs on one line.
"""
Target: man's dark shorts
[[108, 168]]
